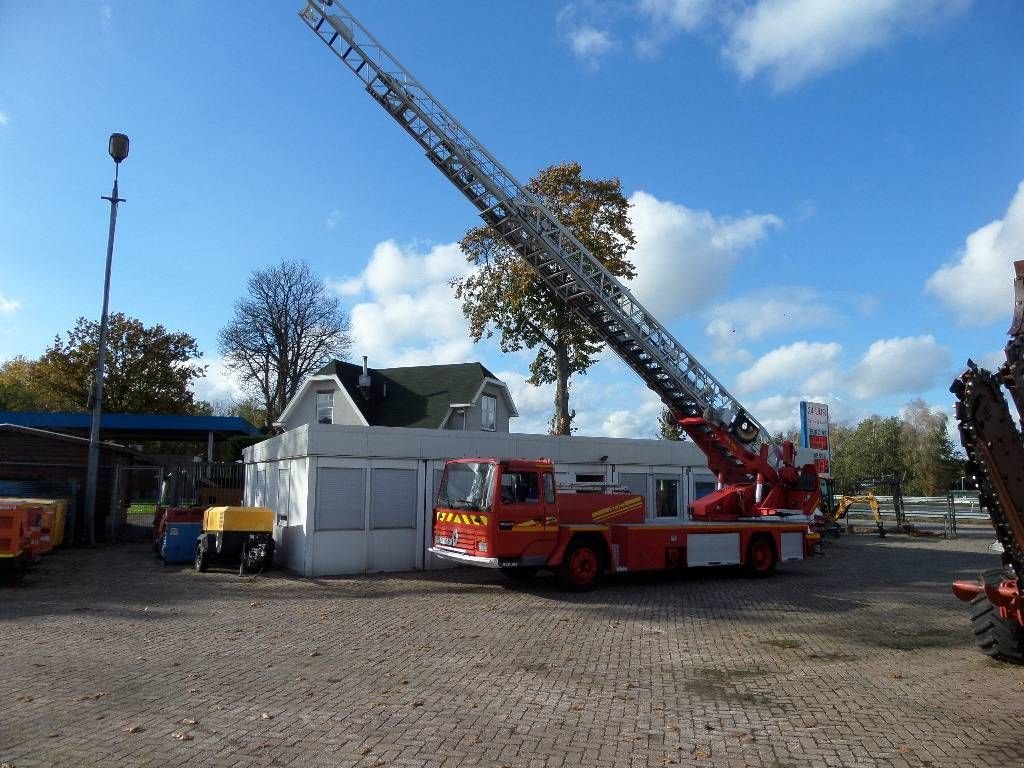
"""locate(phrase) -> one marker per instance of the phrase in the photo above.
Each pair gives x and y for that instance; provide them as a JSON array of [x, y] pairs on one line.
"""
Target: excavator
[[995, 465], [833, 517]]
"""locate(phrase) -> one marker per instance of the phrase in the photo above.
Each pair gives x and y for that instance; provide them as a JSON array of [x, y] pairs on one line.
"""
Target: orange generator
[[15, 553]]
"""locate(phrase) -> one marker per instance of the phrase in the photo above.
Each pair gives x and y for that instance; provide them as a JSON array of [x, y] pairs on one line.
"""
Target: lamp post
[[118, 149]]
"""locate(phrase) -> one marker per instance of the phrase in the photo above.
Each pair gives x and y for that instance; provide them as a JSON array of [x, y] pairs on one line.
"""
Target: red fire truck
[[507, 513]]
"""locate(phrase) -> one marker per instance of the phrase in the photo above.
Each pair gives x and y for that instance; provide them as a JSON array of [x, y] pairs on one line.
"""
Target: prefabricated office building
[[353, 499]]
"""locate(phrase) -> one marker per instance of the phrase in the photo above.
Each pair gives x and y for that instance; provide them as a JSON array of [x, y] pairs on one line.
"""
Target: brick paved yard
[[859, 658]]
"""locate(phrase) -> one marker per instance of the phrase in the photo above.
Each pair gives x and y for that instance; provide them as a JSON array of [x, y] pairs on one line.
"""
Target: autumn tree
[[19, 388], [285, 329], [504, 296], [148, 369]]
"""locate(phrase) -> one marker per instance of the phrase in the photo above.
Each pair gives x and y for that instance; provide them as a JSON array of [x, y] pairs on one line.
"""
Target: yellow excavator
[[845, 502]]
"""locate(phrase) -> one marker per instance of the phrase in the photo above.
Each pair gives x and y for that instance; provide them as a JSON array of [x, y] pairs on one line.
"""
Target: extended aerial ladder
[[755, 476]]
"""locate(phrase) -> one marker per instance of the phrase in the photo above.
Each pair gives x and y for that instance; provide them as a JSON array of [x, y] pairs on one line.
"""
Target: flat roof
[[134, 426]]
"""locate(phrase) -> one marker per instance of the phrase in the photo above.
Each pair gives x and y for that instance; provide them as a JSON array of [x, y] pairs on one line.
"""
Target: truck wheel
[[997, 637], [519, 574], [581, 567], [200, 561], [760, 557]]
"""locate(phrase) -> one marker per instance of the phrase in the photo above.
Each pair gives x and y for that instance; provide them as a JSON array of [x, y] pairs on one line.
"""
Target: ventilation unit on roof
[[364, 379]]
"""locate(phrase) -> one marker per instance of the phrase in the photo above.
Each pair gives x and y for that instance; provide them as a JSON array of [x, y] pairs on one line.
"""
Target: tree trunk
[[561, 424]]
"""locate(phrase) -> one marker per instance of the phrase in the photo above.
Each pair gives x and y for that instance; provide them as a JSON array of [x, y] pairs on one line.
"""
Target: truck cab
[[498, 514]]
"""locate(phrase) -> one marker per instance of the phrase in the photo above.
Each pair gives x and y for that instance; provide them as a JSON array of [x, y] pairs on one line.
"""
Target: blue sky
[[826, 194]]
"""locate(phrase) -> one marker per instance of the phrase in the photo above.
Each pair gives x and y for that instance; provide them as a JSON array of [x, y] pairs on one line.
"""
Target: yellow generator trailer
[[242, 535]]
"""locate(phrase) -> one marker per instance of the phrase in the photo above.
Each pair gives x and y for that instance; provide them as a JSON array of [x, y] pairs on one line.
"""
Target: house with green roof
[[462, 396]]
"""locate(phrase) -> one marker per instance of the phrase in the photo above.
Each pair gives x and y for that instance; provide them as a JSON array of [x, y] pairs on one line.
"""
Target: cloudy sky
[[827, 196]]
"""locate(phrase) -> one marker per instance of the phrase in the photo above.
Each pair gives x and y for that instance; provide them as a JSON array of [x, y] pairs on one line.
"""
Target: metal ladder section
[[562, 262]]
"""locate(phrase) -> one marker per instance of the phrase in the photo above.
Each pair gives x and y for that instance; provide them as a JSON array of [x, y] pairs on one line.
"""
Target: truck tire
[[761, 558], [582, 566], [997, 637]]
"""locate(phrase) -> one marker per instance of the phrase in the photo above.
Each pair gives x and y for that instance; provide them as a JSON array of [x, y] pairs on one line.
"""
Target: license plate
[[447, 541]]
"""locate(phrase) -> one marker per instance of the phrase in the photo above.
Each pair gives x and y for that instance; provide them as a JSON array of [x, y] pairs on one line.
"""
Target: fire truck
[[507, 513], [995, 465]]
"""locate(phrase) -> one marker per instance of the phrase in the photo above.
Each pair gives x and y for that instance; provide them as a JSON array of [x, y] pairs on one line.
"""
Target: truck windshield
[[467, 485]]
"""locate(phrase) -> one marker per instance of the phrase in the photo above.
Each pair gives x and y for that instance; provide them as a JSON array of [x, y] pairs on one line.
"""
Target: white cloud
[[791, 41], [683, 256], [639, 420], [978, 287], [907, 365], [218, 385], [753, 317], [8, 306], [590, 43], [411, 316], [333, 218], [4, 120], [812, 365], [684, 15], [535, 404]]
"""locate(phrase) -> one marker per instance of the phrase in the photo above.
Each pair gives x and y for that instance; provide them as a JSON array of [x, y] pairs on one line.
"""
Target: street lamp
[[118, 149]]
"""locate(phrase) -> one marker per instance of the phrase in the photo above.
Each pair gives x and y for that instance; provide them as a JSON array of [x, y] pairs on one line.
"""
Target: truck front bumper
[[458, 556]]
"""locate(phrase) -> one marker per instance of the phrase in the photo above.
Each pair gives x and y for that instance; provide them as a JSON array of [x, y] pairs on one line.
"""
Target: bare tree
[[285, 329]]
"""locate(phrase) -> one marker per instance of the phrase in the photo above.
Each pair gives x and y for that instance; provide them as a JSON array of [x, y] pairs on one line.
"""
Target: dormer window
[[488, 413], [325, 407]]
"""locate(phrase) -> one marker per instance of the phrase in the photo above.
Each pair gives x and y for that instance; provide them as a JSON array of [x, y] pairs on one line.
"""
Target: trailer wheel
[[241, 562], [997, 637], [582, 566], [200, 561], [760, 556], [519, 574]]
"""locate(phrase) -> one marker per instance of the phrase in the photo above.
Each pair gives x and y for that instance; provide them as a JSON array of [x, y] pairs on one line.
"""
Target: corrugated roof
[[416, 396], [140, 425]]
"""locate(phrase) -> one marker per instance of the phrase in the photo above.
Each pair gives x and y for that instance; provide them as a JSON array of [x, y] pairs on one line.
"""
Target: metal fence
[[138, 491], [938, 515]]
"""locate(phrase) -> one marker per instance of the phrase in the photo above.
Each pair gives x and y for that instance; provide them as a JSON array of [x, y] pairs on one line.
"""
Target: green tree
[[668, 426], [18, 386], [929, 455], [148, 369], [874, 448], [503, 295], [286, 328]]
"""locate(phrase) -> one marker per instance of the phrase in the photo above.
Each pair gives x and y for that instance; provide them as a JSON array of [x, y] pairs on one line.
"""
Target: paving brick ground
[[859, 658]]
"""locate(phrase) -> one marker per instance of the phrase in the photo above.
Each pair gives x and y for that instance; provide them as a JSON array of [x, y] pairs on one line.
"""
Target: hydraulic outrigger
[[995, 464]]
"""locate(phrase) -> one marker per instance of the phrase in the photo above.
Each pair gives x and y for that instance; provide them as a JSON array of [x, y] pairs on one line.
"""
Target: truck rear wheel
[[582, 566], [761, 556], [997, 637]]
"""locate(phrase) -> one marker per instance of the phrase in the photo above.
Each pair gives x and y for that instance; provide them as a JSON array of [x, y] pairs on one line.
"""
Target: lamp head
[[118, 147]]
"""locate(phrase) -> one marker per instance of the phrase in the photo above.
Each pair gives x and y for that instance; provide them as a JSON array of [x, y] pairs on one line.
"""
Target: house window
[[489, 417], [324, 407]]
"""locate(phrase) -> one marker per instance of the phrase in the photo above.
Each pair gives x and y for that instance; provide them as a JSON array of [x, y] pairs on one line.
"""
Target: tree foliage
[[147, 370], [914, 448], [286, 328], [503, 295], [668, 426], [18, 385]]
